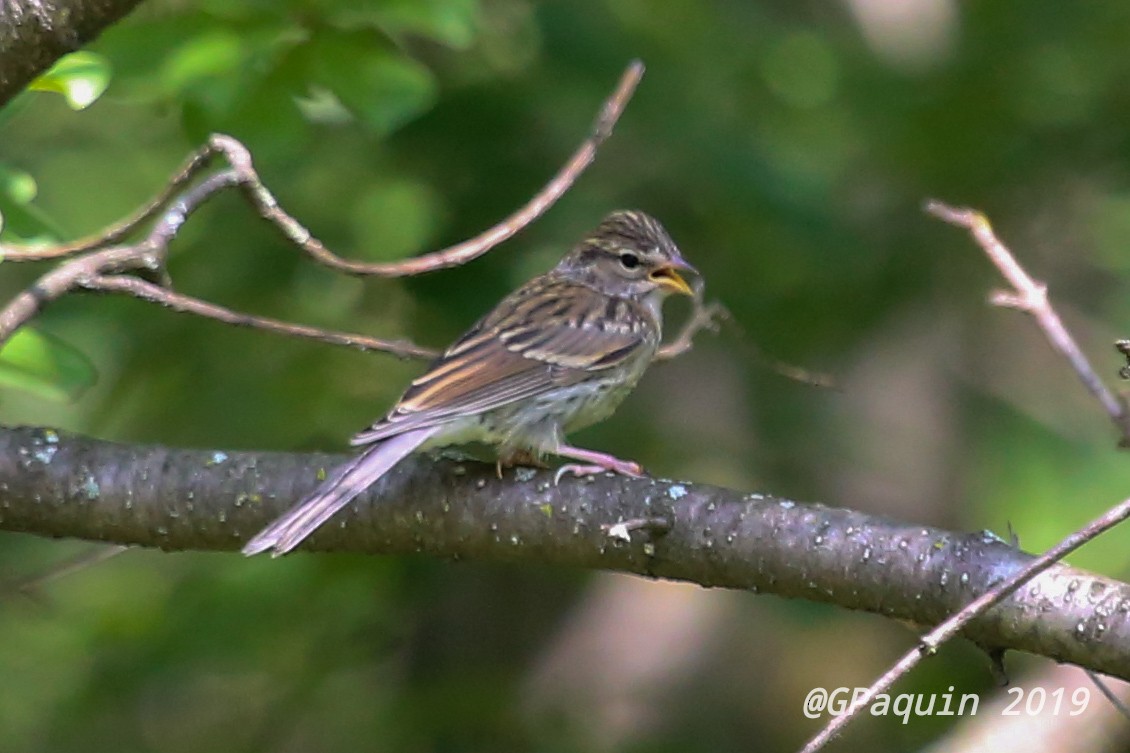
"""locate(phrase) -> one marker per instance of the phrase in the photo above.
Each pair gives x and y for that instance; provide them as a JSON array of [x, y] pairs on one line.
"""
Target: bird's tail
[[342, 485]]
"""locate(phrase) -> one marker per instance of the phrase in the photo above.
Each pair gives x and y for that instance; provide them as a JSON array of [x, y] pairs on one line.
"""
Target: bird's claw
[[615, 465]]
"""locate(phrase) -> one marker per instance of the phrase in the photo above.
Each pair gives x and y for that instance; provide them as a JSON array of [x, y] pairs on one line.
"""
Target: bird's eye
[[629, 260]]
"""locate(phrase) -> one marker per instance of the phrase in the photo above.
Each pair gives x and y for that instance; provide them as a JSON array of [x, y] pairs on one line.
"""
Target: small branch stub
[[1123, 347]]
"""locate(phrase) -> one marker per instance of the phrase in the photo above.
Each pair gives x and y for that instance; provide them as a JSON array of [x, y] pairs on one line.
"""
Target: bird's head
[[629, 255]]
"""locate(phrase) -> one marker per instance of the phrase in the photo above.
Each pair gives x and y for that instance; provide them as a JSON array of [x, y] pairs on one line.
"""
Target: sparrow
[[558, 354]]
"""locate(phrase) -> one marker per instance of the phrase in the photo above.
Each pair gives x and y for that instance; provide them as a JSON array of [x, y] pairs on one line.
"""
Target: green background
[[787, 147]]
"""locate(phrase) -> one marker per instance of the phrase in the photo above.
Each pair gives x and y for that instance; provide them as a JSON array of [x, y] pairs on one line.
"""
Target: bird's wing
[[547, 334]]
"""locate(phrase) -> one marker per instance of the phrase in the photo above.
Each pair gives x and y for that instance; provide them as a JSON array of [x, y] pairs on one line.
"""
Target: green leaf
[[44, 365], [382, 88], [80, 77]]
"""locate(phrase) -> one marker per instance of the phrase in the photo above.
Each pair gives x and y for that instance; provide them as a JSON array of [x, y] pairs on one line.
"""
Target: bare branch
[[67, 277], [1032, 297]]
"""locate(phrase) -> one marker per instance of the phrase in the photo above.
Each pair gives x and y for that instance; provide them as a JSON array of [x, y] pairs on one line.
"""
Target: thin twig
[[703, 316], [1032, 297], [28, 586], [147, 291], [778, 366], [198, 160], [461, 253], [754, 352], [1109, 694], [929, 643]]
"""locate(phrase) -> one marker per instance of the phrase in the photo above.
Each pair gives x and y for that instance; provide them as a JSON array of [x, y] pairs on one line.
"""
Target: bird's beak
[[668, 277]]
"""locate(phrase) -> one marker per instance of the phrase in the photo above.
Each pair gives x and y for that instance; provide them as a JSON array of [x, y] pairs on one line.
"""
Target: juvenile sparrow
[[556, 355]]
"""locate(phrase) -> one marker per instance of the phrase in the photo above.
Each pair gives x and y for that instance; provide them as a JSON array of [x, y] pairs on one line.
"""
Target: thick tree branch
[[36, 33], [55, 485]]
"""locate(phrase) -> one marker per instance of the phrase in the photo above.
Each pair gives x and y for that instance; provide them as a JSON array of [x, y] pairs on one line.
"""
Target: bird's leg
[[594, 462], [518, 457]]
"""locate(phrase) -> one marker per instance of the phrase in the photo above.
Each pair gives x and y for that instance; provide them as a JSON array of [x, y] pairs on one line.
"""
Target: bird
[[558, 354]]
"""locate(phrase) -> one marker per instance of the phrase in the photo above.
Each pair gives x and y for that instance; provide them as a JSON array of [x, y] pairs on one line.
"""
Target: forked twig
[[197, 161], [703, 316], [1031, 297]]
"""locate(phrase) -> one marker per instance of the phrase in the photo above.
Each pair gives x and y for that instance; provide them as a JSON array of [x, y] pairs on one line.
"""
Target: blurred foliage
[[20, 218], [787, 146], [44, 365]]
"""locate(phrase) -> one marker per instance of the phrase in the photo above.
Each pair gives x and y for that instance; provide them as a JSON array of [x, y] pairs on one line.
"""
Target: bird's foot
[[596, 462]]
